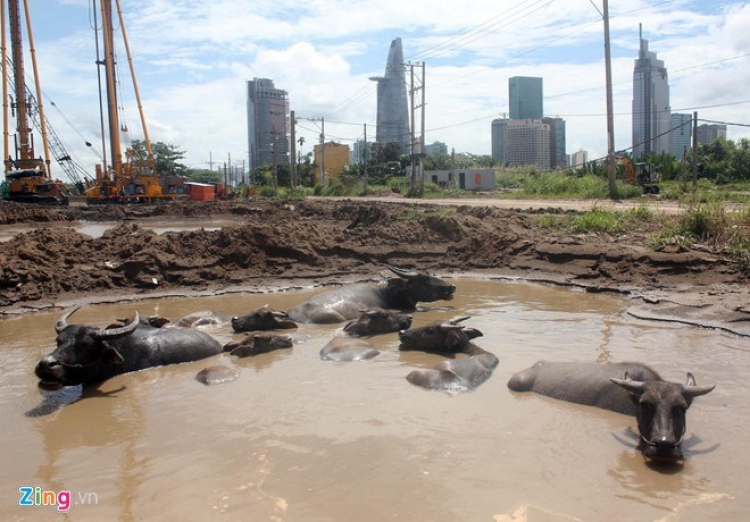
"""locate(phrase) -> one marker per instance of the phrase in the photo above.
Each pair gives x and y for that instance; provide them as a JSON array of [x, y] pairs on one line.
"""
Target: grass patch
[[611, 221]]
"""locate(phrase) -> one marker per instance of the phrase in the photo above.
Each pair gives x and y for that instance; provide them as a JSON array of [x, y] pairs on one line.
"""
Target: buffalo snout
[[50, 372]]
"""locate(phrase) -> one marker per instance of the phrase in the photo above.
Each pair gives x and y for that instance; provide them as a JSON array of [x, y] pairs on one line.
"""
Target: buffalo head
[[80, 354], [378, 321], [263, 319], [423, 287], [661, 408], [440, 336]]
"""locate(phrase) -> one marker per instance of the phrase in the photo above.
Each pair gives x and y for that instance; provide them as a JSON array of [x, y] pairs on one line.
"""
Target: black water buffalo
[[258, 343], [377, 321], [461, 374], [88, 355], [263, 319], [630, 388], [440, 337], [342, 349], [399, 293]]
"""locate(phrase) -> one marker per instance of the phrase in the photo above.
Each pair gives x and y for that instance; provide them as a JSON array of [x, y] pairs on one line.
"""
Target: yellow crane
[[127, 179], [27, 176]]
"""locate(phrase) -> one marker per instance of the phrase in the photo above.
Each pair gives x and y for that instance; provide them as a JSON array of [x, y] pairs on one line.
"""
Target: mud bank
[[314, 242]]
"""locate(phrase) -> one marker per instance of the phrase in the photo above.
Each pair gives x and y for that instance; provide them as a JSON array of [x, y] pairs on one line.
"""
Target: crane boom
[[26, 175]]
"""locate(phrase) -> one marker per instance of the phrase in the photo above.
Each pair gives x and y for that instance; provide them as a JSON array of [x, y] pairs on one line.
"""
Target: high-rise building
[[527, 142], [711, 133], [579, 159], [267, 123], [681, 134], [651, 112], [525, 98], [499, 136], [393, 109], [557, 155], [437, 148]]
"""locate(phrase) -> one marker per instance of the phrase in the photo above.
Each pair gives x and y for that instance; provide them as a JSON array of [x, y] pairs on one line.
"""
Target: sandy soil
[[315, 242]]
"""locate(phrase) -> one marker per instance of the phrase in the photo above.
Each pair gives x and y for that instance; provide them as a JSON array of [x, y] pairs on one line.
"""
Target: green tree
[[167, 156], [203, 176]]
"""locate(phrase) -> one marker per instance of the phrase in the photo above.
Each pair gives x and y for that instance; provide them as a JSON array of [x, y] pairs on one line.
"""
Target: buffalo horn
[[406, 274], [691, 390], [460, 319], [450, 327], [62, 323], [107, 333], [629, 384], [279, 314]]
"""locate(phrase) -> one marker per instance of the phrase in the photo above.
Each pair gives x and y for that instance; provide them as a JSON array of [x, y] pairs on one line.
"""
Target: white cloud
[[193, 58]]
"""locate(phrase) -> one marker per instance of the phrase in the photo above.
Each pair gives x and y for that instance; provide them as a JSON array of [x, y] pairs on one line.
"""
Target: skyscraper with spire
[[393, 110], [651, 111]]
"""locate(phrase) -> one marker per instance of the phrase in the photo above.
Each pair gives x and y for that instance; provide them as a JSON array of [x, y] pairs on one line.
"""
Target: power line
[[725, 123]]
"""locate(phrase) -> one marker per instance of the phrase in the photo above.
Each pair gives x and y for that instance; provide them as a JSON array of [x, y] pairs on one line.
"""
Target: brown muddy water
[[97, 229], [299, 439]]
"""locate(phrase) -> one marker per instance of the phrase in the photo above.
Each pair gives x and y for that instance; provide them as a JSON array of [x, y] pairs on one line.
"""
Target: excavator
[[643, 174], [27, 177], [131, 180]]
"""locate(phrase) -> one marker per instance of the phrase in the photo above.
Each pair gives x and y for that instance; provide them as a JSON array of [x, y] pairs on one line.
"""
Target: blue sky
[[193, 57]]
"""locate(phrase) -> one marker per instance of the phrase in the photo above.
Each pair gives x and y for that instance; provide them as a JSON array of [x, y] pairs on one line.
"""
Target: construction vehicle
[[643, 174], [27, 176], [131, 180]]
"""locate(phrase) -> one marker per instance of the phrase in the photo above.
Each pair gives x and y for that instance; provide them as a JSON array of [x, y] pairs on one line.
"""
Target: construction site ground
[[280, 245]]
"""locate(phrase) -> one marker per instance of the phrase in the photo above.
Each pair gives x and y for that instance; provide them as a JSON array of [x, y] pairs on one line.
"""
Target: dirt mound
[[313, 239]]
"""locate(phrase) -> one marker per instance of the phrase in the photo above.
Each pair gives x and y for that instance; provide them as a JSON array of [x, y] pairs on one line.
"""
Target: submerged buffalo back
[[582, 383]]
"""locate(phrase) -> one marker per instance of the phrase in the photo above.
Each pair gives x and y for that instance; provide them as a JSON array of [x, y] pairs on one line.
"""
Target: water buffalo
[[87, 355], [461, 374], [377, 321], [346, 349], [263, 319], [440, 337], [202, 319], [627, 387], [258, 343], [217, 374], [399, 293]]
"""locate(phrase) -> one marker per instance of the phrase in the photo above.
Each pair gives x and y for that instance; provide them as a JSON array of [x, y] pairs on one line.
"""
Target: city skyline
[[193, 61]]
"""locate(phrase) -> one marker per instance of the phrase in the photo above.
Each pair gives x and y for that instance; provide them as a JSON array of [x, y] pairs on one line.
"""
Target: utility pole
[[292, 165], [364, 193], [610, 110], [695, 149], [412, 152], [416, 186], [421, 138], [322, 151], [275, 163]]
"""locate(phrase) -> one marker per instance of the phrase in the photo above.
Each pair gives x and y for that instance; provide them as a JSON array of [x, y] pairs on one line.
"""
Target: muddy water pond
[[297, 438], [97, 229]]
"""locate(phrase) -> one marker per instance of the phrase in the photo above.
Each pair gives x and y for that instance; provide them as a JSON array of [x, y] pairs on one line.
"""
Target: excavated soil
[[276, 245]]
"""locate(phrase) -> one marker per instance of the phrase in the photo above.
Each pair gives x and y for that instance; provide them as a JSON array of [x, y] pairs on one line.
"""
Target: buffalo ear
[[114, 355], [691, 390], [456, 339]]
